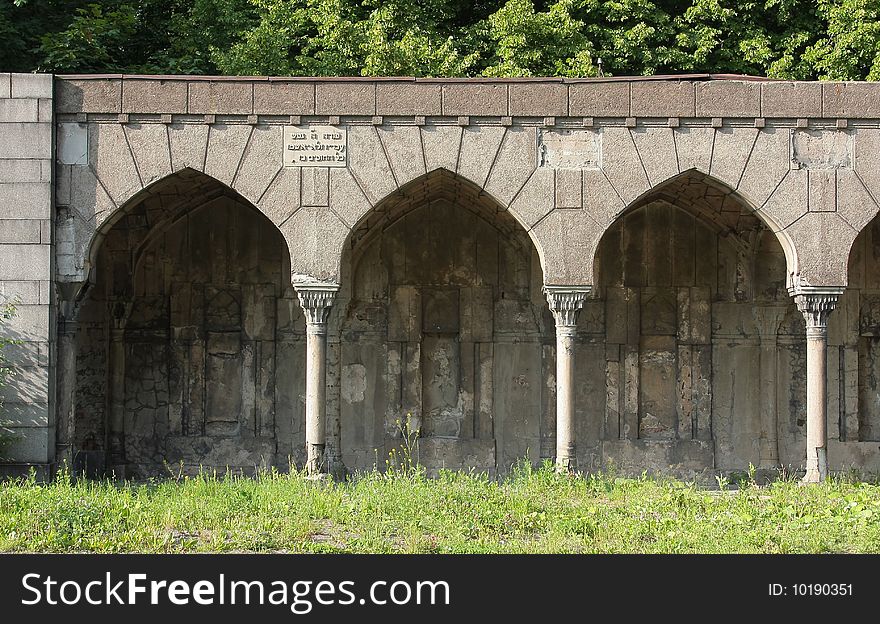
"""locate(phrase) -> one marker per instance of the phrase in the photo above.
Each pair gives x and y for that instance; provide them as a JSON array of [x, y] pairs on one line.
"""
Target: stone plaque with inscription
[[821, 149], [315, 146], [569, 149]]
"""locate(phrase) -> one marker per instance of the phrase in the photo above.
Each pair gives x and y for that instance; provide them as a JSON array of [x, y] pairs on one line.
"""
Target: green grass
[[532, 511]]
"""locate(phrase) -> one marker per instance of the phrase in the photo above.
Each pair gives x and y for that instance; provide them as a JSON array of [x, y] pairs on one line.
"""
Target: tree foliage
[[797, 39]]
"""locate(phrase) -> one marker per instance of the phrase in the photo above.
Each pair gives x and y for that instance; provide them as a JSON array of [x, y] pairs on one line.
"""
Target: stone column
[[565, 304], [816, 303], [120, 311], [316, 300], [65, 375], [768, 319]]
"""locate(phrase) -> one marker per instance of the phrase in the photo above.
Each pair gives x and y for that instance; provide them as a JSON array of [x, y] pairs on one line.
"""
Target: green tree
[[849, 48], [796, 39]]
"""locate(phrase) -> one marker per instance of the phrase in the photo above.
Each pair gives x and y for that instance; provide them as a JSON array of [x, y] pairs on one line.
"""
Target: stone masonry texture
[[26, 259], [160, 225]]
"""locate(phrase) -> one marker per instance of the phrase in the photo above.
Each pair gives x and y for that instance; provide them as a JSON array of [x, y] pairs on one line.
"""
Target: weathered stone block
[[19, 231], [32, 86], [282, 198], [821, 191], [728, 98], [24, 262], [599, 99], [27, 140], [21, 170], [406, 98], [536, 198], [111, 158], [315, 186], [226, 145], [284, 98], [5, 85], [538, 99], [479, 146], [622, 165], [154, 96], [568, 241], [88, 96], [791, 99], [601, 201], [515, 162], [768, 163], [72, 144], [346, 196], [694, 148], [30, 444], [663, 98], [731, 153], [850, 99], [853, 201], [46, 110], [30, 323], [569, 188], [222, 97], [656, 147], [149, 146], [821, 149], [319, 236], [823, 241], [18, 110], [567, 148], [789, 200], [25, 201], [260, 162], [368, 163], [441, 145], [188, 144], [403, 145], [474, 99], [345, 98]]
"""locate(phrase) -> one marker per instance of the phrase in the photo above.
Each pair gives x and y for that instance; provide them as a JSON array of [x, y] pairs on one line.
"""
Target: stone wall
[[26, 262], [445, 325], [690, 206], [210, 343]]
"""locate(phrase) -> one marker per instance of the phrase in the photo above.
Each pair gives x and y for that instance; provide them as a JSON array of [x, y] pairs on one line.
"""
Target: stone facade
[[27, 253], [641, 272]]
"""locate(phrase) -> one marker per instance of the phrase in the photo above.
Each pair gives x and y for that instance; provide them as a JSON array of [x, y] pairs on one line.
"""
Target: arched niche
[[191, 340]]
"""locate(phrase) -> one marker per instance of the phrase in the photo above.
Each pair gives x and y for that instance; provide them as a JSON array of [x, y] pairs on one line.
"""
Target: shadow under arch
[[715, 203], [189, 318], [698, 331], [162, 204], [437, 184], [441, 317]]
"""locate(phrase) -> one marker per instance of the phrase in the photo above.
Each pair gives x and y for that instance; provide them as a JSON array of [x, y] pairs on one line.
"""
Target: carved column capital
[[316, 299], [565, 303], [816, 303]]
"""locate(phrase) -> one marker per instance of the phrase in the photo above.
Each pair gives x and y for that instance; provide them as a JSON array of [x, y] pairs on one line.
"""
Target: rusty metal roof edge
[[525, 79]]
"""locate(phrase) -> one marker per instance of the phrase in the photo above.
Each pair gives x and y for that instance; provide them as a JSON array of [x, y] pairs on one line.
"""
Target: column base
[[566, 465], [817, 470], [315, 463]]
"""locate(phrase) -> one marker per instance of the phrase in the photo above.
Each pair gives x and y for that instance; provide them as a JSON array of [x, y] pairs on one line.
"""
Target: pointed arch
[[439, 183], [160, 206], [716, 204], [326, 235]]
